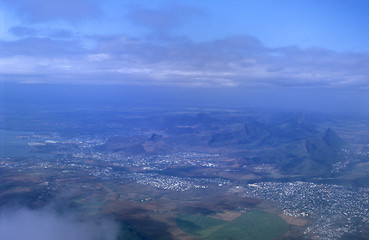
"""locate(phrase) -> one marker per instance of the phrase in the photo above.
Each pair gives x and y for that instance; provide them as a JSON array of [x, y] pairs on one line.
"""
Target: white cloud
[[45, 225]]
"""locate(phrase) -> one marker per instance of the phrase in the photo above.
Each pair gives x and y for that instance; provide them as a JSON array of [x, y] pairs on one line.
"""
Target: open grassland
[[197, 225], [253, 225]]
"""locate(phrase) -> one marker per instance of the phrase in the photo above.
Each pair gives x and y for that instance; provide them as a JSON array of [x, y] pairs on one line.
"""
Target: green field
[[197, 225], [253, 225]]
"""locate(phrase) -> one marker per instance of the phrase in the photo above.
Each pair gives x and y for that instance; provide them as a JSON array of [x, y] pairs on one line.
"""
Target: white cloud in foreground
[[25, 224]]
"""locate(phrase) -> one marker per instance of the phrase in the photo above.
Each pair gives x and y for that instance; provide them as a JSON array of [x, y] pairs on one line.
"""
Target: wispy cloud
[[164, 19], [69, 10], [24, 32]]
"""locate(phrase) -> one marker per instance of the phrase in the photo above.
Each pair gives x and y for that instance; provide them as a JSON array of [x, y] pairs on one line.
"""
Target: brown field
[[294, 220], [227, 215]]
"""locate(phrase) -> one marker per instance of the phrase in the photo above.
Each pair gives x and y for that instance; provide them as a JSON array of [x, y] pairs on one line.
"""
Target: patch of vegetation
[[253, 225], [197, 225]]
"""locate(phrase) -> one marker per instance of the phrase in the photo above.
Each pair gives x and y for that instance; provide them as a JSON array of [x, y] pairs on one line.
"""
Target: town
[[334, 210]]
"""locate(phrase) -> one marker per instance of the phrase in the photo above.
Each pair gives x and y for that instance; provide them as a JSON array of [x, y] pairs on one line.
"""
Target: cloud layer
[[234, 61]]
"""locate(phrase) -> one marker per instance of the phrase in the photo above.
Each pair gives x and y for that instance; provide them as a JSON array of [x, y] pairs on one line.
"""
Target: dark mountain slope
[[136, 145]]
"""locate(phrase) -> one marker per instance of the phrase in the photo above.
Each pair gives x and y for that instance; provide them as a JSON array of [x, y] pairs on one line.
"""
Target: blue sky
[[276, 43]]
